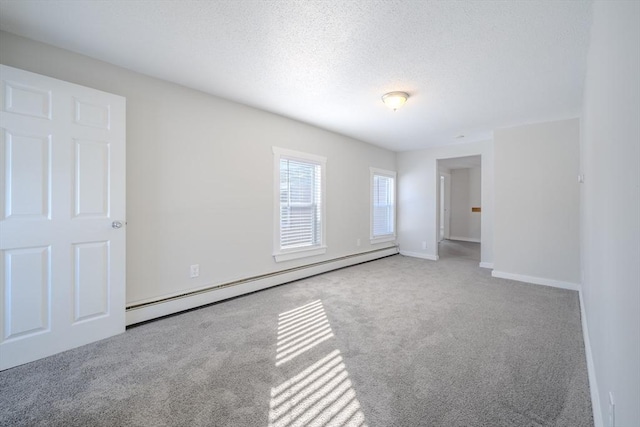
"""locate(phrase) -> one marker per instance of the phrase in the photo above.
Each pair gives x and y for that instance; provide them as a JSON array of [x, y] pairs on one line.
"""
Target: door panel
[[63, 183], [27, 100], [91, 188], [28, 180], [28, 284], [91, 280], [88, 114]]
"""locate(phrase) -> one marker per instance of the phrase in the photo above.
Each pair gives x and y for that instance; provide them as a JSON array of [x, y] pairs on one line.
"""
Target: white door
[[62, 254]]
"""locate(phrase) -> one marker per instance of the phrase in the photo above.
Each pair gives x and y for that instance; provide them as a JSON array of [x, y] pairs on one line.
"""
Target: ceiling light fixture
[[395, 100]]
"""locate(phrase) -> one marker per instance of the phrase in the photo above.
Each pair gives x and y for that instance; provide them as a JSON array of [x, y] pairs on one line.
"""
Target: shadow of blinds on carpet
[[321, 394]]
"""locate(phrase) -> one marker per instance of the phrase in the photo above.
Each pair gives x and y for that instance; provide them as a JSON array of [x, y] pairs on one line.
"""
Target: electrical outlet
[[195, 270], [357, 242], [612, 410], [424, 245]]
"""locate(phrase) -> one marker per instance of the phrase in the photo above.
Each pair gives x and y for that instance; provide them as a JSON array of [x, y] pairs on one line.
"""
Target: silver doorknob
[[116, 224]]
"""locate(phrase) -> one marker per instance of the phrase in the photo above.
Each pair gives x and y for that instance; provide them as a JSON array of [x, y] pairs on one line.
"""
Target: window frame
[[388, 174], [280, 254]]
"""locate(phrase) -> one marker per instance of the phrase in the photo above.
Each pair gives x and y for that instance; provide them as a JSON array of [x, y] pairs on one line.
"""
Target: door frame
[[444, 197]]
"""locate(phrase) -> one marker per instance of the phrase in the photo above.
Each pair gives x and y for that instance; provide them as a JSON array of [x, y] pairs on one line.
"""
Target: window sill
[[299, 253], [383, 239]]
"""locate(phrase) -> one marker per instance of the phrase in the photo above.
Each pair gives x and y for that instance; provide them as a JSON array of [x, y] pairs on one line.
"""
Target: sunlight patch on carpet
[[322, 394], [301, 329]]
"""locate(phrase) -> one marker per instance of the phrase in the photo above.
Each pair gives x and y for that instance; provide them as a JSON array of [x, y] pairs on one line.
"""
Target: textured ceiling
[[469, 66]]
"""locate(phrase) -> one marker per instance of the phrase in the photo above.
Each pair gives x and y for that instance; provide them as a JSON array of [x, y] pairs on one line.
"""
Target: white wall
[[199, 176], [417, 197], [537, 202], [610, 201], [465, 194]]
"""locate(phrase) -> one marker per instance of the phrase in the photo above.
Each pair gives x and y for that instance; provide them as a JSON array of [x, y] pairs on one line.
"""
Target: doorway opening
[[459, 207]]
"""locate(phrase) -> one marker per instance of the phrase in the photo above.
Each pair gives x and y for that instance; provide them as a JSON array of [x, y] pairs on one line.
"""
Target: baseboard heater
[[148, 310]]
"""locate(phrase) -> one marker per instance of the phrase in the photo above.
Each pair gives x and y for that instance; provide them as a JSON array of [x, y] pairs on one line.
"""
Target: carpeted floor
[[394, 342]]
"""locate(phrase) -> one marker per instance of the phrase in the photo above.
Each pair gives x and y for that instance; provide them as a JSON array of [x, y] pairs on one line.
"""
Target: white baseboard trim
[[171, 304], [591, 370], [464, 239], [536, 280], [486, 264], [419, 255]]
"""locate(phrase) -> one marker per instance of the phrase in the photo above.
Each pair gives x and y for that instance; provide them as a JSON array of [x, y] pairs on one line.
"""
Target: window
[[383, 205], [299, 200]]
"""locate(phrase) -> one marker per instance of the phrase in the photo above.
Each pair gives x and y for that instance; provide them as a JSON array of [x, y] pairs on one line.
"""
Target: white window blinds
[[300, 204], [383, 205]]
